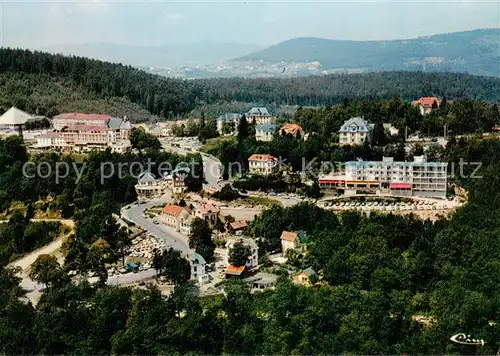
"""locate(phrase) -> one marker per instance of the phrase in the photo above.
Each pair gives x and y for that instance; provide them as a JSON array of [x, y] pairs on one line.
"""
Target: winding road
[[135, 213]]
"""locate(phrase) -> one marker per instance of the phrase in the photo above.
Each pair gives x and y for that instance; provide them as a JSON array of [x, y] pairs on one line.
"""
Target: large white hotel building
[[417, 178]]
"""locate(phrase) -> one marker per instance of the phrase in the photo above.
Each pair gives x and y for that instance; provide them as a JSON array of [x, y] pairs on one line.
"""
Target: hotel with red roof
[[262, 164], [84, 132]]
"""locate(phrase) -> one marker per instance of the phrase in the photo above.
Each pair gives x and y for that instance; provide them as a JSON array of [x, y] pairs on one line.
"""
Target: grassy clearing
[[213, 143], [253, 201]]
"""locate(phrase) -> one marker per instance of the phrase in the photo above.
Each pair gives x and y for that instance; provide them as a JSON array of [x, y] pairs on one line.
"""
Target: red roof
[[82, 116], [238, 225], [324, 181], [264, 158], [231, 269], [289, 236], [207, 209], [172, 210], [427, 101], [400, 186], [291, 128]]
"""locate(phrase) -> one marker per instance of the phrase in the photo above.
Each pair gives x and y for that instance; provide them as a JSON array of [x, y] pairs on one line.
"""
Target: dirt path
[[67, 222], [27, 260]]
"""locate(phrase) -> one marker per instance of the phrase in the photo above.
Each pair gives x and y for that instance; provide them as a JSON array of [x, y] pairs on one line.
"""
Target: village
[[164, 213]]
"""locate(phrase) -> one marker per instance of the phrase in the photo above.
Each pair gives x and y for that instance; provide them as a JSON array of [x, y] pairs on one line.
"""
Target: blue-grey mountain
[[475, 52]]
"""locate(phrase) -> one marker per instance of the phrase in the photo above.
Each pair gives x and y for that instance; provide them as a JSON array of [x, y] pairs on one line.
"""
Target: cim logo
[[466, 340]]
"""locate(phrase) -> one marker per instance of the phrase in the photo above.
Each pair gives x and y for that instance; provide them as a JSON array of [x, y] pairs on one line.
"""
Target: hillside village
[[381, 185]]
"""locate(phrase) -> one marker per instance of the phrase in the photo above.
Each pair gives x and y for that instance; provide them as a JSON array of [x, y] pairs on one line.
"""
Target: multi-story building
[[262, 164], [79, 119], [51, 139], [173, 216], [417, 178], [426, 104], [230, 119], [253, 259], [207, 212], [198, 268], [355, 131], [85, 132], [265, 132], [148, 187], [259, 115]]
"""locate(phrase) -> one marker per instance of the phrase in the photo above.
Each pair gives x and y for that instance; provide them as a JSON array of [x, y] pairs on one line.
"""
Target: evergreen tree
[[243, 129]]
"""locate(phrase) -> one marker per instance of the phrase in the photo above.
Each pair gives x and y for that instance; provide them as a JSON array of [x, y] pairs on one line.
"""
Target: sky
[[38, 23]]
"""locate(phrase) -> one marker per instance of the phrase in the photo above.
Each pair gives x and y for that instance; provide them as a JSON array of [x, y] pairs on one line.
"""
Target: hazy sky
[[38, 23]]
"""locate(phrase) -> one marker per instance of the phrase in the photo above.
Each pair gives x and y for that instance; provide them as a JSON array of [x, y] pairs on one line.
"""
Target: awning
[[400, 186]]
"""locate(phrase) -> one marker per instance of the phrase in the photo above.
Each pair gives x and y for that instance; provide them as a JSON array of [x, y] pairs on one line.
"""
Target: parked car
[[221, 275]]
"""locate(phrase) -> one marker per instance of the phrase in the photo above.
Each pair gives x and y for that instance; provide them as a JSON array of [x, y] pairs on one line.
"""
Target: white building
[[426, 104], [289, 241], [174, 216], [198, 268], [148, 187], [262, 164], [207, 212], [355, 131], [85, 132], [253, 260], [14, 119], [230, 119], [259, 115], [417, 178], [51, 140], [265, 132]]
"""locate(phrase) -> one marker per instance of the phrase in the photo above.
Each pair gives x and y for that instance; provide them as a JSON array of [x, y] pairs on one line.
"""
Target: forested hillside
[[473, 52], [47, 84]]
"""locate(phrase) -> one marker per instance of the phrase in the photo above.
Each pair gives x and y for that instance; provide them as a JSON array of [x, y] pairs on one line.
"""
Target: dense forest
[[389, 285], [47, 84]]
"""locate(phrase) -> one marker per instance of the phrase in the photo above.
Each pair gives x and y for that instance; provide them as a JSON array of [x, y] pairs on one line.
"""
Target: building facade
[[198, 268], [417, 178], [265, 132], [173, 215], [355, 131], [85, 132], [229, 119], [253, 259], [148, 187], [426, 104], [259, 115], [207, 212], [79, 119], [262, 164]]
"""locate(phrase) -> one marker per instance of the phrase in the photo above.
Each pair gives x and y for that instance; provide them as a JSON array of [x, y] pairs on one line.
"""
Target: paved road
[[211, 171], [171, 237]]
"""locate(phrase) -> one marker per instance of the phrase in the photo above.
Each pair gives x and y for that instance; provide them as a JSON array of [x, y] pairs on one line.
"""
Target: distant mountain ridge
[[475, 52], [169, 55]]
